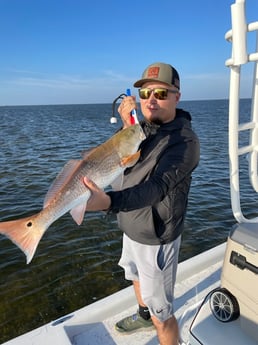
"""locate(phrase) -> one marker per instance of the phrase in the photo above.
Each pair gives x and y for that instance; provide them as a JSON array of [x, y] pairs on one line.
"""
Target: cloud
[[27, 87], [63, 81], [58, 83]]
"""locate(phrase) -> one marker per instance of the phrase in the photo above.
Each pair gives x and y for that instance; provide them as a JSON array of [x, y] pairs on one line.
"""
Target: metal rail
[[238, 37]]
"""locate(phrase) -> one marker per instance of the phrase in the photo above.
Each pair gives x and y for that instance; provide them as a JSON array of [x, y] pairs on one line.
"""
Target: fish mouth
[[142, 134]]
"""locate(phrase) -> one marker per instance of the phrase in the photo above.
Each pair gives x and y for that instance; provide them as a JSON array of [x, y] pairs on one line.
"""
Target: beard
[[157, 122]]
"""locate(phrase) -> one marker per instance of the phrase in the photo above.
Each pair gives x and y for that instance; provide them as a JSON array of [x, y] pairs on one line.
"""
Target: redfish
[[103, 164]]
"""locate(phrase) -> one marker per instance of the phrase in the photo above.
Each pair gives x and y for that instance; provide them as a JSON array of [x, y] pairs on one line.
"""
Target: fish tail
[[25, 233]]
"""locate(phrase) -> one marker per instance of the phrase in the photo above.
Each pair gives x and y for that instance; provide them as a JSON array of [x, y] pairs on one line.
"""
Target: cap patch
[[153, 72]]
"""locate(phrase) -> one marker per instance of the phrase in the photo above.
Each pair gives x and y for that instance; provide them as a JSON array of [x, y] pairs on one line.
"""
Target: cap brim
[[140, 82]]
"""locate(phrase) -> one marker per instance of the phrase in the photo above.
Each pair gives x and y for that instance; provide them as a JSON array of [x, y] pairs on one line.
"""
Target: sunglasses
[[159, 93]]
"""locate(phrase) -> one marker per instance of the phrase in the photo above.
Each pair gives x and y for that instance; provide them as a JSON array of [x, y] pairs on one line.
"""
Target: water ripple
[[75, 266]]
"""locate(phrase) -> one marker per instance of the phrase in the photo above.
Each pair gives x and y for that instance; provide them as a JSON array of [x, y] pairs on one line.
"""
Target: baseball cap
[[162, 72]]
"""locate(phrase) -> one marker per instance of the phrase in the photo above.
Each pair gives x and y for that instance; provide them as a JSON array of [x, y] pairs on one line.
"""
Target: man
[[151, 204]]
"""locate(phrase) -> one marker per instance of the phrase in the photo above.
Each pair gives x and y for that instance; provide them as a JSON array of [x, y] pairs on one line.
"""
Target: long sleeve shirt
[[151, 206]]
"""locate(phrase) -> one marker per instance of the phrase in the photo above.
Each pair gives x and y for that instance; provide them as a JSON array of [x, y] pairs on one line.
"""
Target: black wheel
[[224, 305]]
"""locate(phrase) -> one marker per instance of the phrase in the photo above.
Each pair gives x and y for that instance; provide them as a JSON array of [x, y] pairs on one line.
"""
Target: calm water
[[75, 266]]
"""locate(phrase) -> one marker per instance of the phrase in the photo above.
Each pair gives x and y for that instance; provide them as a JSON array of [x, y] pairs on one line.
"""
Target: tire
[[224, 305]]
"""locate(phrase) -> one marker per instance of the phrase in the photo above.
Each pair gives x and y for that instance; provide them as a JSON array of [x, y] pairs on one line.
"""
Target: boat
[[216, 295]]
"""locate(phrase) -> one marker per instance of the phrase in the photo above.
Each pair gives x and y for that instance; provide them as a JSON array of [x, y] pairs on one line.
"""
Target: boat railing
[[240, 56]]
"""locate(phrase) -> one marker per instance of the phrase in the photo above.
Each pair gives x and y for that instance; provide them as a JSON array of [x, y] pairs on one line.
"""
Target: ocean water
[[75, 266]]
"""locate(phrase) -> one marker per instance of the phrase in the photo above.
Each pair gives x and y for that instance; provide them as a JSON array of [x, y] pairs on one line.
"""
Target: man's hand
[[99, 200], [125, 108]]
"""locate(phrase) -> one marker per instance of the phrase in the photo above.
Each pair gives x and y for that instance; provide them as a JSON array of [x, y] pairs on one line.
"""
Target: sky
[[81, 51]]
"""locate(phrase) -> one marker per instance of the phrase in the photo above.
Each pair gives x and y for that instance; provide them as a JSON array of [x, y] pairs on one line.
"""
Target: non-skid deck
[[94, 324], [188, 294]]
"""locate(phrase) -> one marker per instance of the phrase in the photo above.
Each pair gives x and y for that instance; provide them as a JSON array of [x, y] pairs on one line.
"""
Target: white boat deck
[[223, 333], [94, 324]]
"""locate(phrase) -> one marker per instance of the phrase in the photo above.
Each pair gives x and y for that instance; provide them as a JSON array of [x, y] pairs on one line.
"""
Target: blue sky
[[80, 51]]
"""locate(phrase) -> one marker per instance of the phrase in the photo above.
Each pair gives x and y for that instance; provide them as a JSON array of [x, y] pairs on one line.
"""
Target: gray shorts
[[155, 268]]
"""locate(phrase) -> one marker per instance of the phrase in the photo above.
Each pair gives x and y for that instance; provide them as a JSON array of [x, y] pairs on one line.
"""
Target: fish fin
[[78, 213], [25, 233], [86, 153], [61, 179], [129, 161]]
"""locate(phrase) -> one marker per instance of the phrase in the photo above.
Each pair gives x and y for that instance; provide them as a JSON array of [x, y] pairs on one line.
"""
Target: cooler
[[240, 275], [229, 314]]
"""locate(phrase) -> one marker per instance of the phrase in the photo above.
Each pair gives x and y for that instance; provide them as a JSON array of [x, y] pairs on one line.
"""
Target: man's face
[[160, 110]]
